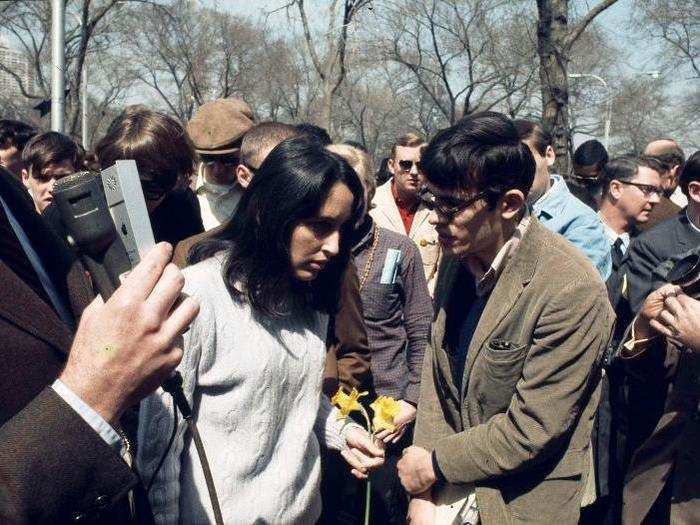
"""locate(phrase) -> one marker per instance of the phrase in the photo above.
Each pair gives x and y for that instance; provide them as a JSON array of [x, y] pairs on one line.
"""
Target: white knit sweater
[[256, 384]]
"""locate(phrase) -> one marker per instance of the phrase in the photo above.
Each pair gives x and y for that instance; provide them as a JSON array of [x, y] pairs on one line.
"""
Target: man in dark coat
[[62, 457]]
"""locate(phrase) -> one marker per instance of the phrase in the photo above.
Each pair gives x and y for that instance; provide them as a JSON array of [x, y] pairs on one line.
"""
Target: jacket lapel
[[387, 206], [422, 214], [447, 276], [22, 307], [515, 276]]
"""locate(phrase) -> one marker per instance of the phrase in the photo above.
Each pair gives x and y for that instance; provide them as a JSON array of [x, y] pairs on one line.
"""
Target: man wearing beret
[[217, 129]]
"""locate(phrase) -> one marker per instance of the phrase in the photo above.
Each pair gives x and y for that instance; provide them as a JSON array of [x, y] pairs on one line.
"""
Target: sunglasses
[[152, 191], [448, 207], [407, 165], [228, 161], [647, 189]]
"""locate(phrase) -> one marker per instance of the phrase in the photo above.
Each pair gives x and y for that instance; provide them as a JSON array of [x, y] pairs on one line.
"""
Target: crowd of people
[[543, 361]]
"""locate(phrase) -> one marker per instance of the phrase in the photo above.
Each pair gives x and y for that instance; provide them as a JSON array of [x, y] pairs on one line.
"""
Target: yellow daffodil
[[347, 403], [385, 409]]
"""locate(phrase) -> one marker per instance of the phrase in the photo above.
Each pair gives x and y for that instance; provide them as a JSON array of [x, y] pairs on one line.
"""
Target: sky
[[614, 21]]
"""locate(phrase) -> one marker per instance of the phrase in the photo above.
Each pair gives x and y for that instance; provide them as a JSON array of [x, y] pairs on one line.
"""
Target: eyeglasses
[[647, 189], [407, 165], [448, 207]]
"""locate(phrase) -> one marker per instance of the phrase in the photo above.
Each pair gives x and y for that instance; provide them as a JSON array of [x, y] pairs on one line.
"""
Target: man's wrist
[[95, 398]]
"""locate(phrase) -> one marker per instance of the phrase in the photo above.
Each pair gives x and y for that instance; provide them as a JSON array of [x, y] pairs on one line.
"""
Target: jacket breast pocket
[[501, 368]]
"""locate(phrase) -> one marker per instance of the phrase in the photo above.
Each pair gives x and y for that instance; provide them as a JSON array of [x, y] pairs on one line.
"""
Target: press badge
[[391, 266]]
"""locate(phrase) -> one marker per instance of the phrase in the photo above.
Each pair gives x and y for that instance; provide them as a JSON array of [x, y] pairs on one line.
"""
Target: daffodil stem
[[368, 495]]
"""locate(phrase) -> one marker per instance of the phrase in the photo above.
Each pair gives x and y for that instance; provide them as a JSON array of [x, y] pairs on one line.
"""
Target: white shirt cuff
[[92, 418]]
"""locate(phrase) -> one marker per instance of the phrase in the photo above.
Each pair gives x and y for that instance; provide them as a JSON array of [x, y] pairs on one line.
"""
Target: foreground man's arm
[[53, 465]]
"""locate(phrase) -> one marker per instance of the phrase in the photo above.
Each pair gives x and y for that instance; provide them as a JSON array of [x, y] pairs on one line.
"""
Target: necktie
[[617, 253]]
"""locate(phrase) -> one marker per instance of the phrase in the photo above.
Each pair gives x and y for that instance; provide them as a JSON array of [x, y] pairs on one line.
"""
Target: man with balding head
[[670, 156], [669, 153]]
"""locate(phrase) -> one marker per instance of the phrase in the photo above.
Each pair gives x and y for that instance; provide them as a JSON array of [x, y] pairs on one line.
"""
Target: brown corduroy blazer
[[348, 355], [519, 425]]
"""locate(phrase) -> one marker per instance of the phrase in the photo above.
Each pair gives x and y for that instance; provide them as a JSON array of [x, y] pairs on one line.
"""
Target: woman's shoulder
[[204, 276]]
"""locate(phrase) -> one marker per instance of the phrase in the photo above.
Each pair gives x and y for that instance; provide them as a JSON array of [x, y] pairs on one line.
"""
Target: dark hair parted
[[534, 132], [50, 147], [480, 153], [15, 133], [291, 186], [625, 167], [690, 172], [158, 143]]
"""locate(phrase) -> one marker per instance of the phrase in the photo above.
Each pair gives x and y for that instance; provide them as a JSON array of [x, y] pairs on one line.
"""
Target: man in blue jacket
[[557, 208]]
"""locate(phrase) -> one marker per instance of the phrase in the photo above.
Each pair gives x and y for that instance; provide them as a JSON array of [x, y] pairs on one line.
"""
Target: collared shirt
[[612, 235], [218, 202], [92, 418], [678, 198], [407, 212], [561, 212], [485, 282]]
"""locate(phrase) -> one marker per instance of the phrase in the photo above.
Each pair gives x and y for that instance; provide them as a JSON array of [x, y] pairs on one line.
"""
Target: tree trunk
[[326, 117], [552, 33]]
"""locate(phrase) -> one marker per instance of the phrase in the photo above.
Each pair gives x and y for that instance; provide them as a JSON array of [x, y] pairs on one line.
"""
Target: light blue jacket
[[561, 212]]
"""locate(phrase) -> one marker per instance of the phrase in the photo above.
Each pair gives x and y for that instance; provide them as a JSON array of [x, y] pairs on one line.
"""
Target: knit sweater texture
[[255, 385]]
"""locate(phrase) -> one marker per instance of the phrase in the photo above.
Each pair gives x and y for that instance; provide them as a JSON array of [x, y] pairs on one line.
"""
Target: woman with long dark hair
[[253, 358]]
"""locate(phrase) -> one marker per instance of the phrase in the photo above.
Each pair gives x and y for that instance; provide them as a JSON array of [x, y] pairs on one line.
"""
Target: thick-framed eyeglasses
[[407, 165], [448, 207], [647, 189]]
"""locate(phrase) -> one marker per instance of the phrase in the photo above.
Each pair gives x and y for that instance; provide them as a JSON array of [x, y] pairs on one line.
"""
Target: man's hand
[[421, 510], [407, 414], [362, 453], [124, 348], [416, 470], [646, 321], [680, 320]]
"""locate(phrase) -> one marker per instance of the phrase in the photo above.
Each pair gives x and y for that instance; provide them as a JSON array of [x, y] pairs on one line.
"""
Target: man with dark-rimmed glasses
[[511, 372], [631, 189]]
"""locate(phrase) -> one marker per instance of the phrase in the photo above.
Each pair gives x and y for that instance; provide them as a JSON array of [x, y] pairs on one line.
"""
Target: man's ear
[[694, 191], [510, 203], [244, 176], [391, 166], [25, 178], [615, 189], [550, 156]]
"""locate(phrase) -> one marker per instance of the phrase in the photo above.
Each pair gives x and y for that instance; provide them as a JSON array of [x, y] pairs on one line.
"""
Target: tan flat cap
[[218, 125]]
